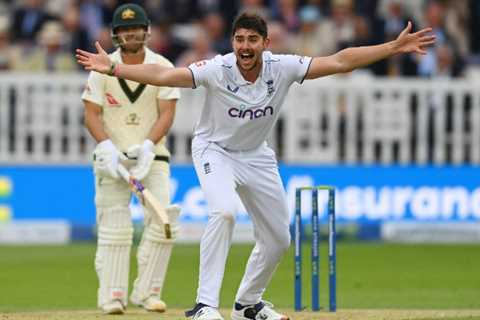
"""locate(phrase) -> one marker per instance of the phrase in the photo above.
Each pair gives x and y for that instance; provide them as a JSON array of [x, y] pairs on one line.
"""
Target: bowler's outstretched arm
[[153, 74], [351, 58]]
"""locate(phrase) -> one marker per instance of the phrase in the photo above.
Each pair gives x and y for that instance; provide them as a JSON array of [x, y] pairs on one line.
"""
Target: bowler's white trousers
[[254, 176]]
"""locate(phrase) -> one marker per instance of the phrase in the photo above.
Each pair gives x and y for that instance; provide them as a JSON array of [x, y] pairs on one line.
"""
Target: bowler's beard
[[246, 70]]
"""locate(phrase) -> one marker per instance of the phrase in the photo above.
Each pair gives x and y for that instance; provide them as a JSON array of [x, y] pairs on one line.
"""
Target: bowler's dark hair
[[251, 21]]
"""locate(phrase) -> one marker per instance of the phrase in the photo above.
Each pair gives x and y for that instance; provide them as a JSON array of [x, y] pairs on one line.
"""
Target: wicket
[[315, 257]]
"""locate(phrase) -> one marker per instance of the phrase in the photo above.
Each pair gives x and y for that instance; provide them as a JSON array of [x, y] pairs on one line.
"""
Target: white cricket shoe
[[203, 312], [260, 311], [113, 307], [152, 303]]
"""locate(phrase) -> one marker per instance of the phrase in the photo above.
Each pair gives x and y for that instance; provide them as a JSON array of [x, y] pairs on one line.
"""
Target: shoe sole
[[155, 310], [114, 311], [236, 317]]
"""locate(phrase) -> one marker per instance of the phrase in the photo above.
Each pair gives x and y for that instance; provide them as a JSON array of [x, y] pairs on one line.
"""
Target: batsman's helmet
[[128, 15]]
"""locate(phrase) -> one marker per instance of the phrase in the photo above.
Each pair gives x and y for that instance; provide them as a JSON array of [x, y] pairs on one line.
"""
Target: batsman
[[130, 122]]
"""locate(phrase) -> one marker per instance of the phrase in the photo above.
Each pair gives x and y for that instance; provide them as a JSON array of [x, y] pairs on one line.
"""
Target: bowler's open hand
[[99, 61], [414, 42]]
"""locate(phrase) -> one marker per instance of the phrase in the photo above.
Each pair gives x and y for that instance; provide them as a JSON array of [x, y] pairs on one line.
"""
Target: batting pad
[[153, 257], [112, 259]]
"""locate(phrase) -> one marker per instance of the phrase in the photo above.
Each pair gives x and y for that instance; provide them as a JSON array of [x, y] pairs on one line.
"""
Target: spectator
[[182, 11], [163, 42], [56, 8], [200, 49], [320, 27], [410, 8], [257, 6], [445, 64], [338, 31], [285, 11], [362, 35], [5, 48], [50, 55], [322, 5], [395, 19], [456, 22], [27, 20], [343, 19], [76, 35], [387, 28], [279, 39], [226, 9], [91, 19], [367, 9], [214, 25], [435, 18], [308, 41]]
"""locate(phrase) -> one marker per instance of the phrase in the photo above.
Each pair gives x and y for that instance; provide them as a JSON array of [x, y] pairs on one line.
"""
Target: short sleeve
[[167, 93], [203, 72], [295, 67], [95, 89]]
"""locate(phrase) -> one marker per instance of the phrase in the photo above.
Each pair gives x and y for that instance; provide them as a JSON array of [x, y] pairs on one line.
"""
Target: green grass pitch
[[370, 276]]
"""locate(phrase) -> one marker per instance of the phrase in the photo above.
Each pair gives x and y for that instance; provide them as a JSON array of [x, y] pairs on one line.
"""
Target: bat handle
[[135, 185], [123, 172]]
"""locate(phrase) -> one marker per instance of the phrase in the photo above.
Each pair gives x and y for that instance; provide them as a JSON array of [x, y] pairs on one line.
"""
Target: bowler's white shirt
[[238, 114]]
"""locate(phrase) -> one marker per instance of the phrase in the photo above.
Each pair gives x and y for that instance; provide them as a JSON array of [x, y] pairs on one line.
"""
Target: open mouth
[[246, 56]]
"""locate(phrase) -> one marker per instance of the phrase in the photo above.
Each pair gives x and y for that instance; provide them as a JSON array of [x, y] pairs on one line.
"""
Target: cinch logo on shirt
[[250, 113]]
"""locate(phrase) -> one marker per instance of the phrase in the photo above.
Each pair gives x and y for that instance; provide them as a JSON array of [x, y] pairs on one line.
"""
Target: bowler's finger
[[407, 29], [428, 38], [99, 48], [83, 54], [82, 60], [427, 43], [421, 52], [80, 56], [423, 31]]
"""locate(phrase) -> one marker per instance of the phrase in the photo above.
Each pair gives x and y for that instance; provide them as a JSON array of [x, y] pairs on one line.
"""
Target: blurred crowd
[[42, 35]]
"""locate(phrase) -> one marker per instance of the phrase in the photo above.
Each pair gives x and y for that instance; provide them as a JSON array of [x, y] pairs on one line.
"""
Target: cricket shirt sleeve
[[295, 67], [167, 93], [203, 72], [95, 88]]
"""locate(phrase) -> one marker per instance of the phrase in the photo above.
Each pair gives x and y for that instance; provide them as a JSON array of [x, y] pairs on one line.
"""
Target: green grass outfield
[[375, 281]]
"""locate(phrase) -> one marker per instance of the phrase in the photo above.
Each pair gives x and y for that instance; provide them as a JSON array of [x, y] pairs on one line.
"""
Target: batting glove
[[145, 155], [106, 158]]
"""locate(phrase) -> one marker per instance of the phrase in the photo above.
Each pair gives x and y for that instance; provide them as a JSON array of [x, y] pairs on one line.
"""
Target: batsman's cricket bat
[[147, 198]]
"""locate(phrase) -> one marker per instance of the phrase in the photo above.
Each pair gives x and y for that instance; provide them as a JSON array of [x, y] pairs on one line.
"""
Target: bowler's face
[[248, 46]]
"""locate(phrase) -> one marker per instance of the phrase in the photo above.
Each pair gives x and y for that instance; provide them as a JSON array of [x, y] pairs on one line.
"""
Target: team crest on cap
[[128, 14]]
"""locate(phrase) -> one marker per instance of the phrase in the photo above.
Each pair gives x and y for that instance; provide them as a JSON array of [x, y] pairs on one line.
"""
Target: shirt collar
[[237, 76]]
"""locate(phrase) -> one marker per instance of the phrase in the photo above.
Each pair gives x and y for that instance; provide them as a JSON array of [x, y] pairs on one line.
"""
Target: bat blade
[[146, 197], [157, 207]]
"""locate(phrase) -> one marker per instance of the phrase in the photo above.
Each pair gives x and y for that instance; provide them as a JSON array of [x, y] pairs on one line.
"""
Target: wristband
[[115, 70], [113, 67]]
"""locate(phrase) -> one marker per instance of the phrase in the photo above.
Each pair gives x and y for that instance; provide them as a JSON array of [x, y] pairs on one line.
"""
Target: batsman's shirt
[[129, 109], [238, 114]]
